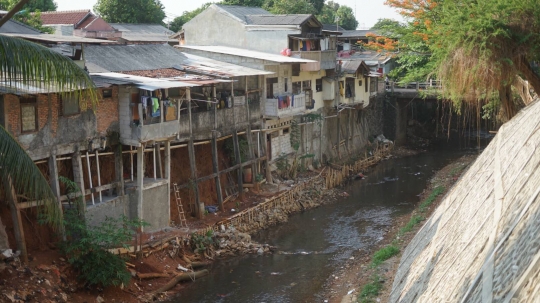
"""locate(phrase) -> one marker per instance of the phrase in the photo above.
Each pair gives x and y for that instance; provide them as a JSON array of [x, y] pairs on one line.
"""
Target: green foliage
[[344, 13], [31, 6], [178, 22], [384, 254], [25, 15], [370, 290], [86, 246], [242, 145], [131, 11], [295, 136], [289, 7], [415, 220], [203, 243], [432, 197]]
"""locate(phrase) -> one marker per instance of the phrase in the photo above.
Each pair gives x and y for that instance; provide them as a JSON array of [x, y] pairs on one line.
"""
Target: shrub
[[87, 246]]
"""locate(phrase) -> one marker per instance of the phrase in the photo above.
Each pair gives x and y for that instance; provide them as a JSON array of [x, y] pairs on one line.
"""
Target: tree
[[344, 15], [346, 18], [131, 11], [178, 22], [29, 63], [281, 7], [31, 6], [478, 48], [31, 12]]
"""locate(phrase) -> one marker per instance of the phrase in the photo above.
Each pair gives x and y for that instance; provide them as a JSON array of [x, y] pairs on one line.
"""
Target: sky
[[367, 11]]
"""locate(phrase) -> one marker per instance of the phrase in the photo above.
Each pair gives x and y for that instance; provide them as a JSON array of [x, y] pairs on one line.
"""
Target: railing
[[432, 84], [285, 106]]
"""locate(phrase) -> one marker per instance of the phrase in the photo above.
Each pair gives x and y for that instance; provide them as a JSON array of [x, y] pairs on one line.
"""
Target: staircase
[[180, 207]]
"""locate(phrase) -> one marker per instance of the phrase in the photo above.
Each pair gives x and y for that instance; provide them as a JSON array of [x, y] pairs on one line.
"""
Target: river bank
[[368, 275], [48, 277]]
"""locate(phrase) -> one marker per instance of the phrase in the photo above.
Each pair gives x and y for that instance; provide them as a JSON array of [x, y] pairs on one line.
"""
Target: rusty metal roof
[[247, 53]]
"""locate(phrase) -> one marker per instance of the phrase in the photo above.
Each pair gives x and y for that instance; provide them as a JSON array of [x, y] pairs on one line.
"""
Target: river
[[313, 244]]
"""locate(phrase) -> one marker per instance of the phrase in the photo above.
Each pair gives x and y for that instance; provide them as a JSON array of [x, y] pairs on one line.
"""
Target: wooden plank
[[216, 171], [11, 195]]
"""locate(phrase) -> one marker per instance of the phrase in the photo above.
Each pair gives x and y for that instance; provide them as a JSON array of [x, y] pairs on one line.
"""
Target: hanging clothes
[[155, 107], [300, 44], [308, 45]]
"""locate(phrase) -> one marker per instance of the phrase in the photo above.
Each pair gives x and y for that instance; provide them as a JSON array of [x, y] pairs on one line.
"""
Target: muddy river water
[[314, 243]]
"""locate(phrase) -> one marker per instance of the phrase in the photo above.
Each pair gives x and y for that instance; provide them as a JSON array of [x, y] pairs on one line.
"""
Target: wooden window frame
[[64, 108], [103, 90], [27, 102]]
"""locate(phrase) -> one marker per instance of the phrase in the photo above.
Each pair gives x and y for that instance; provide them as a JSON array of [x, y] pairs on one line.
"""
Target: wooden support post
[[89, 176], [140, 181], [192, 164], [98, 175], [338, 135], [249, 136], [159, 165], [215, 106], [215, 166], [266, 151], [11, 195], [119, 170], [78, 177], [55, 186], [238, 162], [168, 173]]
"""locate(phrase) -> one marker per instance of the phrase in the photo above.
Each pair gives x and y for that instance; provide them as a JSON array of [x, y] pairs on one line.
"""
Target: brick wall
[[107, 111], [281, 144]]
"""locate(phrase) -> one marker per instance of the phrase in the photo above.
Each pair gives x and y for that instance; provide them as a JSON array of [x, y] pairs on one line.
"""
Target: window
[[306, 84], [270, 87], [296, 87], [318, 85], [29, 115], [373, 85], [70, 104], [310, 102], [106, 93], [349, 88]]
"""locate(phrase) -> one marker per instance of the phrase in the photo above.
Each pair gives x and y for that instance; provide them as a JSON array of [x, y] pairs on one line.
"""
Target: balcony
[[325, 60], [154, 125], [285, 106]]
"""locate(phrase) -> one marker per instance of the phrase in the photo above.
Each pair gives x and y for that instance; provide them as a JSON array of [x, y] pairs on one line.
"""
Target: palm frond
[[26, 178], [27, 63]]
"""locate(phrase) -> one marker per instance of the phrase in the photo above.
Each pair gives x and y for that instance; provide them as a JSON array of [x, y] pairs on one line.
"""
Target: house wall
[[313, 76], [207, 28], [59, 134], [360, 94]]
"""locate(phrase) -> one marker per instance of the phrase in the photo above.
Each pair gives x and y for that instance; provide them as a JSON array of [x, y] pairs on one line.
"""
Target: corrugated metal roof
[[357, 33], [57, 38], [207, 66], [121, 58], [141, 82], [118, 58], [247, 53], [15, 27], [352, 66], [297, 19], [241, 12], [143, 32], [332, 28]]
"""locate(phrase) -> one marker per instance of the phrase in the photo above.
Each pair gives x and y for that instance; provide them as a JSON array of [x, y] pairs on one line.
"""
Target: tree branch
[[13, 11]]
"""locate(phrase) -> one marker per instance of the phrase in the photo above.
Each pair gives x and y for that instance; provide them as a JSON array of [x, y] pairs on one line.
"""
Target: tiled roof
[[296, 19], [64, 17], [241, 12]]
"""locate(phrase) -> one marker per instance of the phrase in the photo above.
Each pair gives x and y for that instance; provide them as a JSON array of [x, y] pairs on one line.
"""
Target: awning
[[142, 82], [245, 53]]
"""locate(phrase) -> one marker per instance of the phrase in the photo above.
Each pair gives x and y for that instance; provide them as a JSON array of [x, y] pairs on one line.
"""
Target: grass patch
[[434, 194], [384, 254], [370, 291], [457, 170], [416, 219]]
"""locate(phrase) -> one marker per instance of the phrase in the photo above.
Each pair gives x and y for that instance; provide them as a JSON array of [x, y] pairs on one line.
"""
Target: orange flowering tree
[[479, 48]]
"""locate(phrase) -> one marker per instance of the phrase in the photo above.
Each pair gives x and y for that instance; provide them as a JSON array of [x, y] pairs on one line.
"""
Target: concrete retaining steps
[[482, 244]]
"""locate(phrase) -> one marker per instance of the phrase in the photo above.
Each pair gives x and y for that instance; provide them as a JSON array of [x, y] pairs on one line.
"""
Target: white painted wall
[[214, 27], [313, 76]]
